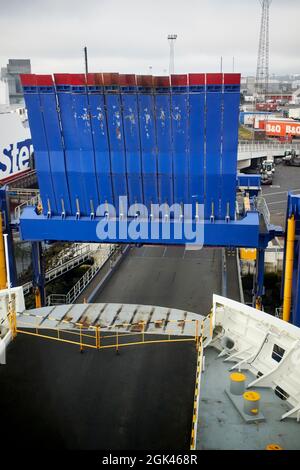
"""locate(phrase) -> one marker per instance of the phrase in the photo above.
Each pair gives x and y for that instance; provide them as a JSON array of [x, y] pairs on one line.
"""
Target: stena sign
[[15, 158]]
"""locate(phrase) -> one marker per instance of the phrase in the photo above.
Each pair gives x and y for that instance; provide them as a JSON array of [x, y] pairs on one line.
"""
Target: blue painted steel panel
[[41, 150], [180, 138], [55, 145], [230, 143], [132, 139], [81, 117], [197, 136], [116, 144], [101, 145], [213, 145], [244, 232], [164, 144], [248, 180], [148, 141], [72, 146]]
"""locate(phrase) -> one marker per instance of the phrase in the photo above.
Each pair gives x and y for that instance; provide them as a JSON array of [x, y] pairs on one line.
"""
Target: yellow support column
[[3, 277], [258, 303], [289, 264], [37, 296]]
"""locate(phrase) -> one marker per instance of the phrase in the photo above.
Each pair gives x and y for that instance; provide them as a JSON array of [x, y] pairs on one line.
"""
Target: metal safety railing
[[248, 146], [261, 205], [279, 312], [196, 402], [103, 255], [68, 254], [63, 265], [95, 337], [199, 369], [23, 192], [32, 201]]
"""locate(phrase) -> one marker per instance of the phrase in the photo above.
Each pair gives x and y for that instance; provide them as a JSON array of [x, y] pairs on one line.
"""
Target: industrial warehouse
[[149, 252]]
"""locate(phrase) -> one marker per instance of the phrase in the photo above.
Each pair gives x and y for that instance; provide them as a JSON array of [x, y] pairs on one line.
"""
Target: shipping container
[[294, 113], [283, 128]]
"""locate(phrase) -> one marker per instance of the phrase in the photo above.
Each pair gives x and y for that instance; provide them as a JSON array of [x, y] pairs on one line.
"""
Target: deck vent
[[282, 394], [277, 353], [227, 343]]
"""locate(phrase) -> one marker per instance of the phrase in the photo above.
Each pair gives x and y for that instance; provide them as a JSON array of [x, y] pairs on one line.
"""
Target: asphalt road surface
[[53, 397], [166, 276], [286, 178]]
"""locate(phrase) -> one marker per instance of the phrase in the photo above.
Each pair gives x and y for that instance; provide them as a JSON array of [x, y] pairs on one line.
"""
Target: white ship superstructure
[[15, 142]]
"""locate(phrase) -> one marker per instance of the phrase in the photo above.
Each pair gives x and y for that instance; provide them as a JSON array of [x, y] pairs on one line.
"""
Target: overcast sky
[[130, 35]]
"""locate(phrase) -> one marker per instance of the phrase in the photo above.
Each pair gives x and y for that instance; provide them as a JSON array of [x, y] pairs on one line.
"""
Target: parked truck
[[291, 158], [267, 170]]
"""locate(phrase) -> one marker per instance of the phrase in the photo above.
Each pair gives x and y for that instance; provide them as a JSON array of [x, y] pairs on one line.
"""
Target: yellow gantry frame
[[289, 264]]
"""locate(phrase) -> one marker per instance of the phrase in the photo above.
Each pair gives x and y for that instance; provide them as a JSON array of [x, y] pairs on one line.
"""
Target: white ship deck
[[221, 427]]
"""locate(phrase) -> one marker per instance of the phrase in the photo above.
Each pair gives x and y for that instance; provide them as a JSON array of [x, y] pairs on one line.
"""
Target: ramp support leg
[[6, 229], [289, 267], [258, 288], [38, 274]]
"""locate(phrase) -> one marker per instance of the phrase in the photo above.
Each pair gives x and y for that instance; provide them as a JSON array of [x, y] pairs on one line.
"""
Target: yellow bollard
[[273, 447], [289, 264]]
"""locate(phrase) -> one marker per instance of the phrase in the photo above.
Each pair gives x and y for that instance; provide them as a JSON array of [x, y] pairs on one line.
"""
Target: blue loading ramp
[[154, 140]]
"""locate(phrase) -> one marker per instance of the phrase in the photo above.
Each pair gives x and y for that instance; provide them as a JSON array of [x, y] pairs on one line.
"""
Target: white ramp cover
[[265, 345], [110, 317]]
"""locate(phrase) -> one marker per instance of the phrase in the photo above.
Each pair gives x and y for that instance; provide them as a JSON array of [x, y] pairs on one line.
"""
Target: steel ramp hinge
[[77, 209], [49, 209]]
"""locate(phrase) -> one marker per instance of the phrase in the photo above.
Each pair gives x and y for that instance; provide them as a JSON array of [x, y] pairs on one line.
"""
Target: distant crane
[[172, 38], [262, 71]]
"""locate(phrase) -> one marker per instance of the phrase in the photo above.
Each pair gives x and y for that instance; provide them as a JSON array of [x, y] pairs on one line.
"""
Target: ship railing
[[262, 207], [248, 146], [32, 201], [23, 192], [279, 312], [111, 337], [206, 335], [69, 261], [68, 254], [101, 256]]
